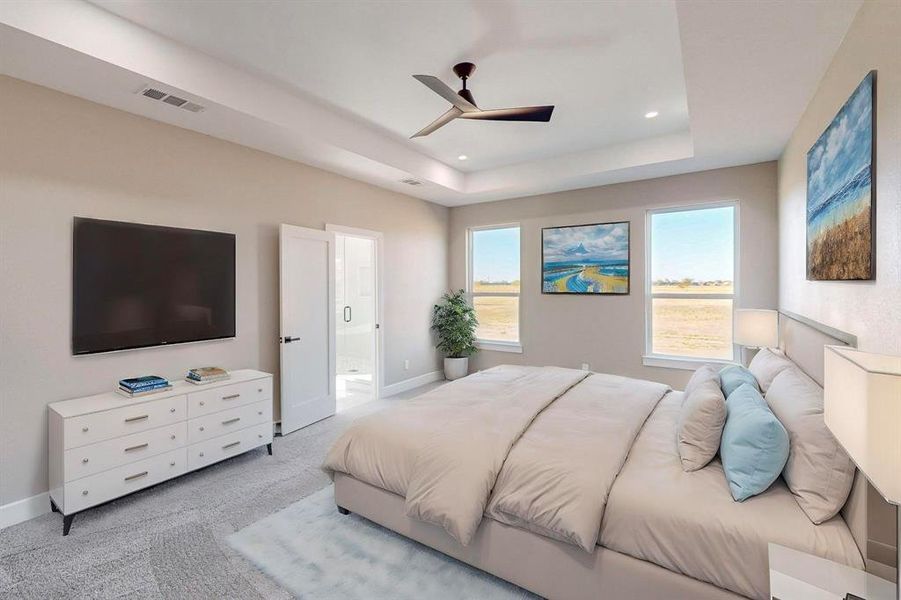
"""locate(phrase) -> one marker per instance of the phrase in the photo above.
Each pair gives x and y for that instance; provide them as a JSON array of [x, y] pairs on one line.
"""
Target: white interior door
[[307, 327]]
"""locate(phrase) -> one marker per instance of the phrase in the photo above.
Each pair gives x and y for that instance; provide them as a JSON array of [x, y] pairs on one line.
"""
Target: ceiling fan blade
[[524, 113], [441, 121], [441, 88]]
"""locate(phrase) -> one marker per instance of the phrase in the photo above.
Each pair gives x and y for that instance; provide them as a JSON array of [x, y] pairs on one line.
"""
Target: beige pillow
[[701, 420], [702, 374], [819, 472], [767, 364]]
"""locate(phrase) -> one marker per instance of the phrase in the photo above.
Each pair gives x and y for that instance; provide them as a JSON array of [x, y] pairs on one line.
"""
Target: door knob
[[288, 339]]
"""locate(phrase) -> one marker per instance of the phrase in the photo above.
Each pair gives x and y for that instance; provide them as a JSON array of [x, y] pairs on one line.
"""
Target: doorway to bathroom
[[357, 322]]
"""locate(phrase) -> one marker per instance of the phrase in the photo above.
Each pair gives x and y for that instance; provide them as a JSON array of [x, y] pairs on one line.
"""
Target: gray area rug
[[315, 552], [169, 541]]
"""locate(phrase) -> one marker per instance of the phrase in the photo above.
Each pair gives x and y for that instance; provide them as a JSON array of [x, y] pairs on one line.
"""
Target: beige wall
[[61, 156], [871, 310], [608, 331]]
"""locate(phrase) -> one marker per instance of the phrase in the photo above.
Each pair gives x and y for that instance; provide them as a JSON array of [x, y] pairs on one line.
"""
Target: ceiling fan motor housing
[[464, 70]]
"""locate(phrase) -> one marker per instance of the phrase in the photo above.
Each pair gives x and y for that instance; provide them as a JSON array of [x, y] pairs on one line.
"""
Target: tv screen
[[143, 285]]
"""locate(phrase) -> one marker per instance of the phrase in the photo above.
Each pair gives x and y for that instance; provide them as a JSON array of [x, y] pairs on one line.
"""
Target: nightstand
[[799, 576]]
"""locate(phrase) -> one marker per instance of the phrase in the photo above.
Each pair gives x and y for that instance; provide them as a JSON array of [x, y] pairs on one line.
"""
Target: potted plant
[[454, 321]]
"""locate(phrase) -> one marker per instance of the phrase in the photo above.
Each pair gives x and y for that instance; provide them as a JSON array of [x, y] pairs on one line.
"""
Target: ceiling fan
[[464, 105]]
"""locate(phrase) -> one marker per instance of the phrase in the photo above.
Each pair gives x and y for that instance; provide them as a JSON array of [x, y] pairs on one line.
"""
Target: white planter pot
[[455, 368]]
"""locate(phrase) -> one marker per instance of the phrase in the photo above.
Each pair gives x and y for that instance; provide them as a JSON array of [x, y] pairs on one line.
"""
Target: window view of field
[[697, 327], [495, 283], [498, 315], [692, 256]]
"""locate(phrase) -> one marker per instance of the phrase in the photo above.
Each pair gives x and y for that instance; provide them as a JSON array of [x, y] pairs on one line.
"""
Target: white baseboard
[[24, 509], [413, 382]]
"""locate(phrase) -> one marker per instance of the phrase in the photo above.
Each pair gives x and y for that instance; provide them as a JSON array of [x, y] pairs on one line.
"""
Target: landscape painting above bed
[[841, 207], [585, 259]]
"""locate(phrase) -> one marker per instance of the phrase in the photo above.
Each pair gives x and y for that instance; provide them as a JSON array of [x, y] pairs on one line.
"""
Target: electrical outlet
[[406, 365], [586, 367]]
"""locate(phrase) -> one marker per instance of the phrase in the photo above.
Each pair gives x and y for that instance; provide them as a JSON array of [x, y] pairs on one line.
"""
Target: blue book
[[141, 383]]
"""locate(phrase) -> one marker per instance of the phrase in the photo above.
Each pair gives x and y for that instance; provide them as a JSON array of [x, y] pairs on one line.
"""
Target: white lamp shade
[[756, 328], [862, 401]]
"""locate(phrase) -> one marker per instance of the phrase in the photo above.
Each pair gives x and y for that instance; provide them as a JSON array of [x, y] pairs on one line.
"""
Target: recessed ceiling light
[[651, 115], [462, 157]]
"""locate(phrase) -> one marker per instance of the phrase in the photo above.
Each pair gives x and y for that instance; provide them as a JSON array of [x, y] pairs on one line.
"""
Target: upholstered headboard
[[803, 340]]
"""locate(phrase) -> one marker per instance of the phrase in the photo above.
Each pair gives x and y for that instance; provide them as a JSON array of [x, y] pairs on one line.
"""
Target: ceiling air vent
[[153, 93], [174, 100], [170, 99], [411, 181]]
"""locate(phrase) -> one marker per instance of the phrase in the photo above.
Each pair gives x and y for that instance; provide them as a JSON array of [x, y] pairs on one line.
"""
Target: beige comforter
[[557, 477], [443, 451], [688, 522]]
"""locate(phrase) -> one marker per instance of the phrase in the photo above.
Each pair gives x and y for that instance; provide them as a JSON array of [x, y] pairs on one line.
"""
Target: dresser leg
[[67, 523], [269, 448], [343, 510], [53, 506]]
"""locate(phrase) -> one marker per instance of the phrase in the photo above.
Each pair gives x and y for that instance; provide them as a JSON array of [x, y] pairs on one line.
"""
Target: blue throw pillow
[[733, 376], [754, 446]]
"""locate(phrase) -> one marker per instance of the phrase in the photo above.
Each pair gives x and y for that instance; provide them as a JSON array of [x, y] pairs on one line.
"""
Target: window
[[494, 285], [691, 289]]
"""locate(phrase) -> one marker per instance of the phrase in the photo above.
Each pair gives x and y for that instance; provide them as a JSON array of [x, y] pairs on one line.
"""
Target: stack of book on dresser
[[203, 375], [139, 386]]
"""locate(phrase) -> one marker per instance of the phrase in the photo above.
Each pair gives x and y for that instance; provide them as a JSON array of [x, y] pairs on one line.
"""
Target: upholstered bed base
[[544, 566]]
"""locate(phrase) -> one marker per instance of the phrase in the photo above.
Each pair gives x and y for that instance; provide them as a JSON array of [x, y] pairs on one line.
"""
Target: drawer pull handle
[[84, 492], [201, 454], [201, 428], [232, 397], [172, 437], [172, 464], [260, 390], [138, 447], [232, 445], [84, 460], [172, 410], [230, 421], [136, 476], [84, 429], [259, 412], [133, 419], [202, 403]]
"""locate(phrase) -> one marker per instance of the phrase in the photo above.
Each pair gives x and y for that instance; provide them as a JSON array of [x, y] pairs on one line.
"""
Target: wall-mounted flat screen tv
[[143, 285]]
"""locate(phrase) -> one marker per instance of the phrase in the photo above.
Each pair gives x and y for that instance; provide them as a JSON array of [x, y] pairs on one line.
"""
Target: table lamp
[[862, 403], [755, 328]]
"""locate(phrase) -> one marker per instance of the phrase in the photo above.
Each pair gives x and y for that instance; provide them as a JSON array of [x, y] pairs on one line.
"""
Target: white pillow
[[701, 420], [767, 364], [819, 472]]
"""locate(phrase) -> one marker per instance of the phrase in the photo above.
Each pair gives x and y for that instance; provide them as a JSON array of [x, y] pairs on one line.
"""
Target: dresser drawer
[[88, 491], [94, 458], [225, 446], [226, 421], [109, 424], [203, 402]]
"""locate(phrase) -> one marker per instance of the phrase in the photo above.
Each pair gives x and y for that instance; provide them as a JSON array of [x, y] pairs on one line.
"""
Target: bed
[[569, 485]]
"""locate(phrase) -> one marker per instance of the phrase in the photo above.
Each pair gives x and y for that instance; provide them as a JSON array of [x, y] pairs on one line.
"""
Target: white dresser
[[106, 446]]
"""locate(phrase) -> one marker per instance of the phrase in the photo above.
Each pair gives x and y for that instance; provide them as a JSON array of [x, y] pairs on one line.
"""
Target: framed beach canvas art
[[841, 202], [585, 259]]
